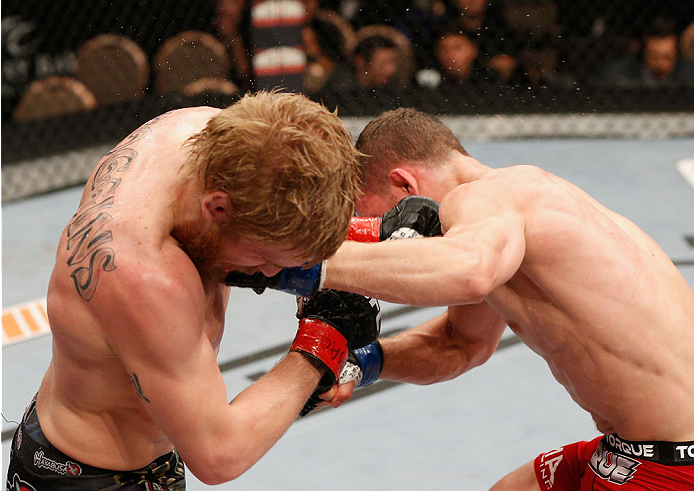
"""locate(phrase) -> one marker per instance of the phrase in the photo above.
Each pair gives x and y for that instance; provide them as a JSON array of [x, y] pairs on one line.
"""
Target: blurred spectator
[[657, 65], [457, 58], [375, 68], [458, 64], [29, 54], [376, 61], [535, 26], [329, 41], [420, 22], [231, 24], [484, 23], [687, 43]]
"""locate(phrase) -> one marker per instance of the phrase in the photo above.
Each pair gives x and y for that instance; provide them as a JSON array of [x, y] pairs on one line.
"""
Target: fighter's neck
[[466, 169], [186, 211]]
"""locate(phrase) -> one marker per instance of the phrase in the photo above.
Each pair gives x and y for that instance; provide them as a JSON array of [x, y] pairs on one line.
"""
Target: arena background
[[79, 76]]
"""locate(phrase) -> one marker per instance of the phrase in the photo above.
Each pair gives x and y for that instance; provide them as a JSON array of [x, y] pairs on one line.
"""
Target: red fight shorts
[[611, 463]]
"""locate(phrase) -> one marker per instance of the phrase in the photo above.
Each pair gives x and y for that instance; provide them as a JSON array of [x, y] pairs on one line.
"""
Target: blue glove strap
[[300, 281], [371, 360]]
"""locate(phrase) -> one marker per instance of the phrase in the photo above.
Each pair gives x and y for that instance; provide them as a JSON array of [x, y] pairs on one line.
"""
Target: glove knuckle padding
[[416, 212], [356, 317]]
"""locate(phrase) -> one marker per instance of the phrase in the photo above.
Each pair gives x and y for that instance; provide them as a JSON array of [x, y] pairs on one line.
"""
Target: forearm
[[421, 272], [257, 418], [425, 354], [272, 403]]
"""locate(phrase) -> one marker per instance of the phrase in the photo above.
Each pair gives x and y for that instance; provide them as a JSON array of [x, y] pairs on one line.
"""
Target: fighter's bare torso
[[602, 303], [86, 405]]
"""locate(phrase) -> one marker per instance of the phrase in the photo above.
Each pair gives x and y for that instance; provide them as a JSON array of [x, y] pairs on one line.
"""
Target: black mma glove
[[331, 324], [414, 216]]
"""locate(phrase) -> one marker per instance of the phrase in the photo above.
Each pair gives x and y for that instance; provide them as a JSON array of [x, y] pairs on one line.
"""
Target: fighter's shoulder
[[492, 191], [508, 181], [151, 267], [187, 113], [184, 121], [522, 171]]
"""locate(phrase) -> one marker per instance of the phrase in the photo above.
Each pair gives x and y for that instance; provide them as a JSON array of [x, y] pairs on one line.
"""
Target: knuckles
[[357, 317], [416, 212]]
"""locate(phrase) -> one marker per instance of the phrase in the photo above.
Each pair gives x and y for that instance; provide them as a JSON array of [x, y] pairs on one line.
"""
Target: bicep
[[489, 227], [159, 337], [478, 328], [444, 347]]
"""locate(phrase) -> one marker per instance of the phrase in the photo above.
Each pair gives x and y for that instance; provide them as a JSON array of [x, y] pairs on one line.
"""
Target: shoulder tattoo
[[88, 233]]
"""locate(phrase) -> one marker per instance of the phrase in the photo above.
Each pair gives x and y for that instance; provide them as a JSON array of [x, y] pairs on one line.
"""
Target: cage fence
[[79, 76]]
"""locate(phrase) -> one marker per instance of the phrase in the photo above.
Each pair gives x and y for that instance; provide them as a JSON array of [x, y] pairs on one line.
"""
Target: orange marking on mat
[[10, 326], [29, 319], [43, 310], [24, 321]]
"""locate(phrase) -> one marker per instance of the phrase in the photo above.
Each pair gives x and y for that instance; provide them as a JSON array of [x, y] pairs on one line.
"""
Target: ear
[[403, 183], [216, 207]]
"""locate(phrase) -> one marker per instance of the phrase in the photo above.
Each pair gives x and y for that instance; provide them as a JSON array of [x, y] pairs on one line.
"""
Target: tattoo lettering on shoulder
[[138, 387], [88, 231]]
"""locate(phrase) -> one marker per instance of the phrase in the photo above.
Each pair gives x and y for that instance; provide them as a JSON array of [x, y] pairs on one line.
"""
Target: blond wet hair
[[288, 166]]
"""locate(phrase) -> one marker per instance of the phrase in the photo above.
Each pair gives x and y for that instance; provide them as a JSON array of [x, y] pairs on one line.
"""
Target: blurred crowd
[[464, 48], [466, 45]]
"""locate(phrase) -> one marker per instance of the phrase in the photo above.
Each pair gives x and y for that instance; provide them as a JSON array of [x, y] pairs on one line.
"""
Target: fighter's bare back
[[86, 404], [600, 301]]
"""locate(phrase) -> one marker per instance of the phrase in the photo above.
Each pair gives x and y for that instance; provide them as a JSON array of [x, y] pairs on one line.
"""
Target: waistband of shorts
[[666, 453], [31, 442]]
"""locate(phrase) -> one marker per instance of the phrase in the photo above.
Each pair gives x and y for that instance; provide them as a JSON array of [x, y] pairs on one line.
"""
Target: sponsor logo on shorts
[[153, 486], [612, 467], [548, 466], [19, 438], [684, 453], [17, 484], [65, 469], [645, 450]]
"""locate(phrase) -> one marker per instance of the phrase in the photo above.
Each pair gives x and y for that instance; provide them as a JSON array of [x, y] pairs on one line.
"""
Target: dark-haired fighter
[[582, 286]]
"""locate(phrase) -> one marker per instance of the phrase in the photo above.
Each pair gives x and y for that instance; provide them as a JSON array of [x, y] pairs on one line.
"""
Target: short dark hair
[[661, 27], [451, 29], [403, 135], [368, 45]]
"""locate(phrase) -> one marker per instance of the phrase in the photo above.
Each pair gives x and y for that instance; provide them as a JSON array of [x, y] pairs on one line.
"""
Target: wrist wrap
[[364, 229], [322, 341], [300, 281], [371, 360]]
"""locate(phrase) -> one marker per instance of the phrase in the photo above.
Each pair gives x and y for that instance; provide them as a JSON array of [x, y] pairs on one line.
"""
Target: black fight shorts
[[36, 465]]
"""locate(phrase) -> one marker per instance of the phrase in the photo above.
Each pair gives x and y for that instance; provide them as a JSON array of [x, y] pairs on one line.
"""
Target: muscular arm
[[444, 347], [482, 247], [154, 323], [463, 337]]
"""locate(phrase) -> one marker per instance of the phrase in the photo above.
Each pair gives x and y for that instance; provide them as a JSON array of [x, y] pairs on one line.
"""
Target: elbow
[[476, 288], [475, 355], [472, 281], [218, 469], [480, 356]]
